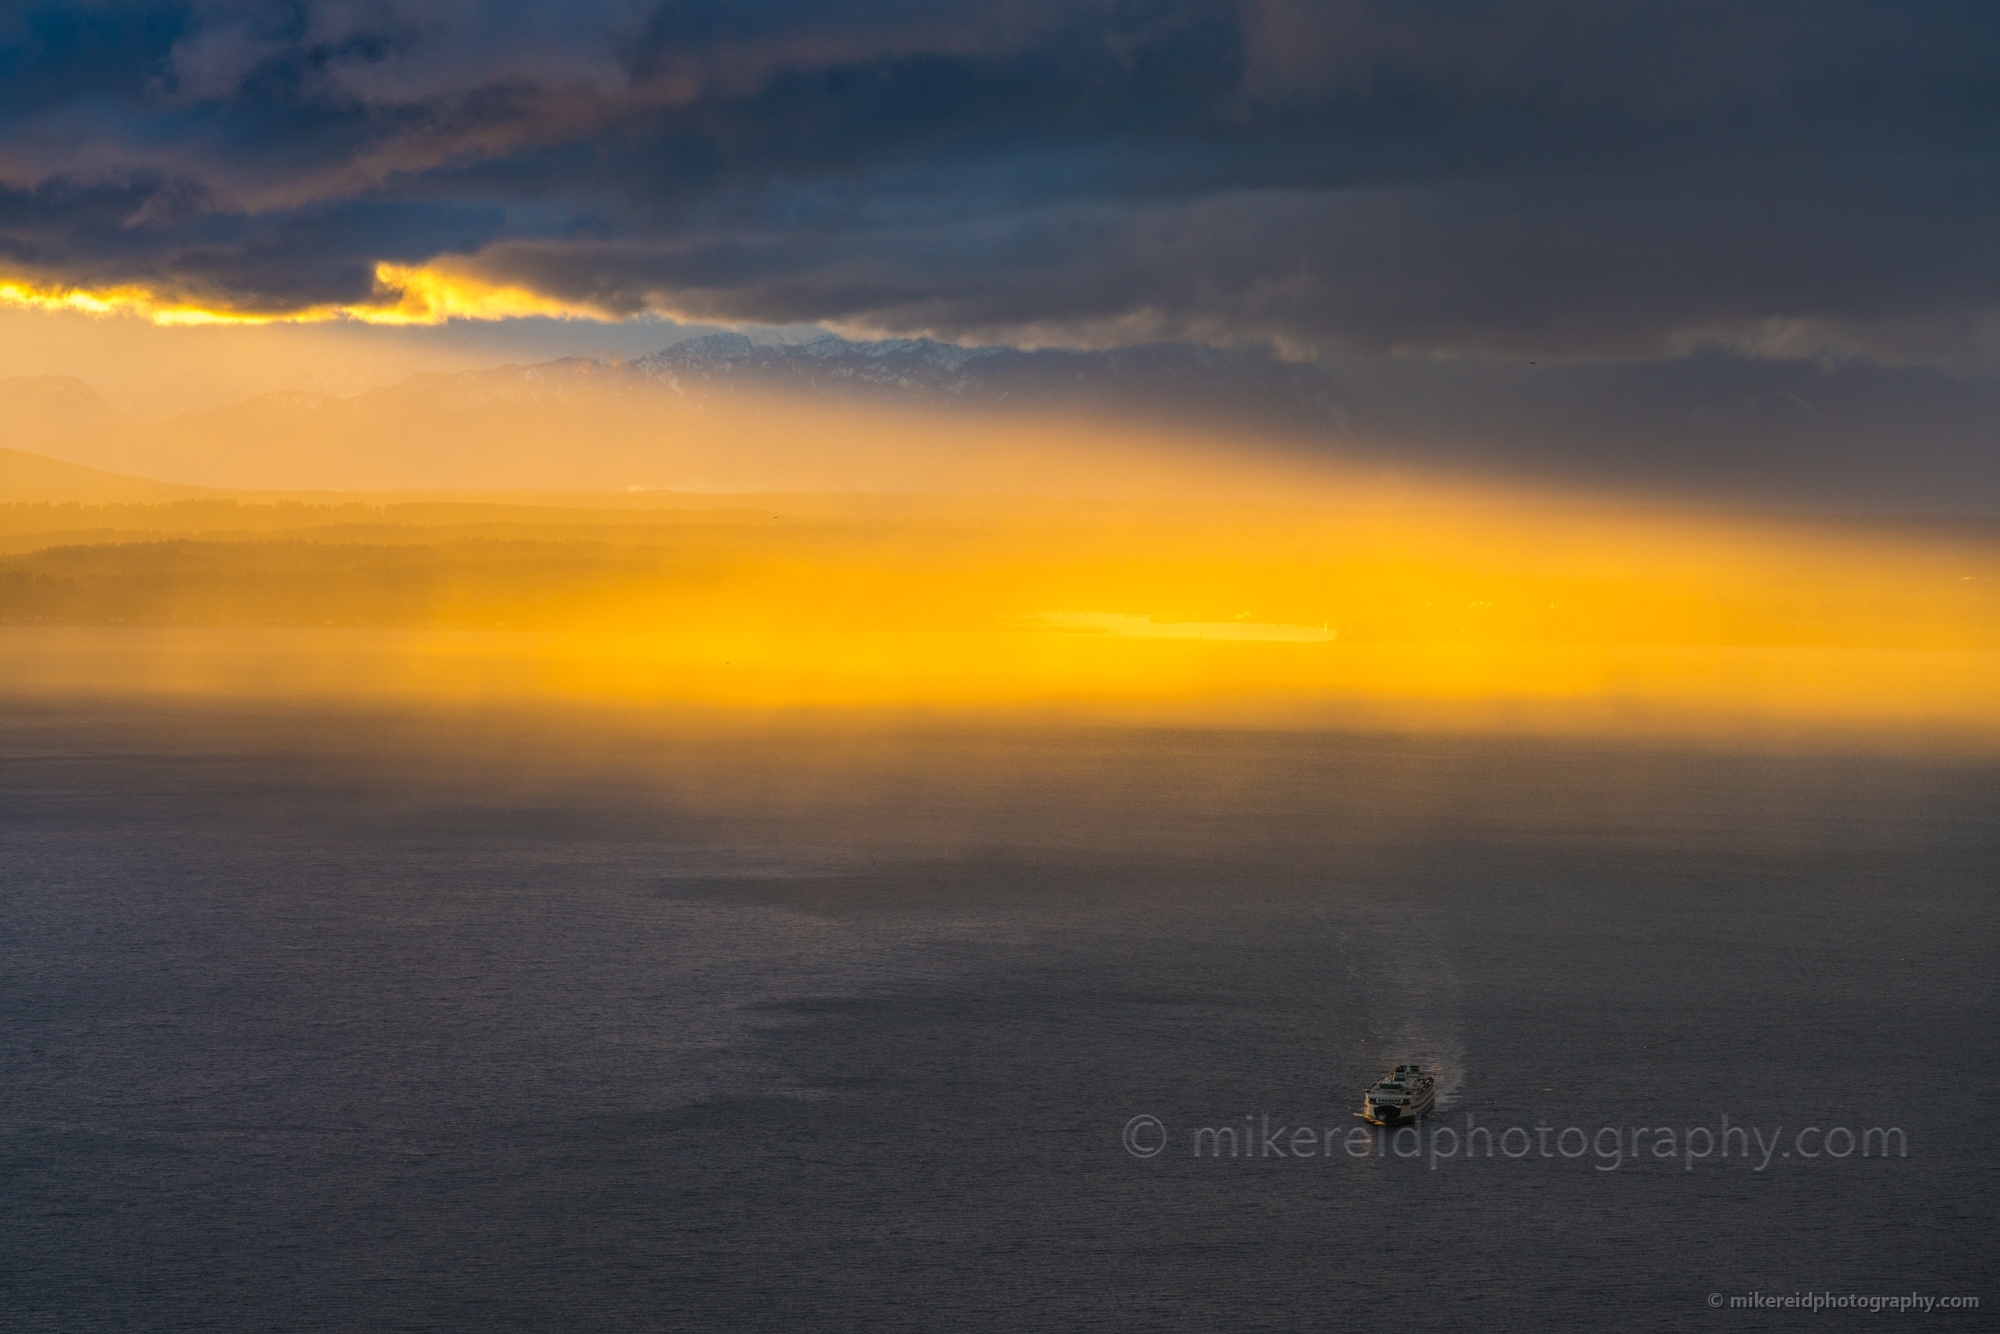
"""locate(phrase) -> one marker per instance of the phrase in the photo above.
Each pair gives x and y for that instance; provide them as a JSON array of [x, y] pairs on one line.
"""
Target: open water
[[494, 1022]]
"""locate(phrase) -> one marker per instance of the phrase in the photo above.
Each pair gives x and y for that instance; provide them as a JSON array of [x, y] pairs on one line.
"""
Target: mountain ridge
[[36, 479], [39, 408], [1240, 385], [1710, 427]]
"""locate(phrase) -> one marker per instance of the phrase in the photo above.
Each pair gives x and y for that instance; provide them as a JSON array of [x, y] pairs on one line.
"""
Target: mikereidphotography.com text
[[1436, 1142]]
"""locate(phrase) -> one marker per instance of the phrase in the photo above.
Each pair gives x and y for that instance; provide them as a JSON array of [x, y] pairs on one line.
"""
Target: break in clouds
[[1521, 179]]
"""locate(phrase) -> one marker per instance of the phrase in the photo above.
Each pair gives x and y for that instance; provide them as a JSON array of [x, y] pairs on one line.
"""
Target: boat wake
[[1412, 994]]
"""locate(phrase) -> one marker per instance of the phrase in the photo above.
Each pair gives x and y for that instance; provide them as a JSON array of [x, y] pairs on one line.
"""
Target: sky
[[1515, 182]]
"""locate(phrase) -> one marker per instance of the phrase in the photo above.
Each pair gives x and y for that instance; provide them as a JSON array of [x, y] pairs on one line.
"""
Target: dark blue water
[[583, 1023]]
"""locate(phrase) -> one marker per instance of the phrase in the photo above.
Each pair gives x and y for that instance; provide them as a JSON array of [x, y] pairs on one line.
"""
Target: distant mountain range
[[35, 478], [36, 409], [712, 412], [1244, 386], [1709, 427]]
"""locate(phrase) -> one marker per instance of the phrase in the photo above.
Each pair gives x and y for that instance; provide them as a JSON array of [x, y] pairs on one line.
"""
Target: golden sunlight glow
[[434, 293], [1242, 631], [1296, 615], [138, 301], [404, 294], [632, 542]]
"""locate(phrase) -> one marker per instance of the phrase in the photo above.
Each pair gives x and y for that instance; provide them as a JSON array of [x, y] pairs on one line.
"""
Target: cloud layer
[[1528, 178]]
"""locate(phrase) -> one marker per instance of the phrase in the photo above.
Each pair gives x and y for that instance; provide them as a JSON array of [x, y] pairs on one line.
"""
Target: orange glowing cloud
[[439, 291], [404, 295]]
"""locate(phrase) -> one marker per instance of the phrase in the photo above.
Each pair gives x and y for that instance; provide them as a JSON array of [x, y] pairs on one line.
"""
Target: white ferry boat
[[1401, 1096]]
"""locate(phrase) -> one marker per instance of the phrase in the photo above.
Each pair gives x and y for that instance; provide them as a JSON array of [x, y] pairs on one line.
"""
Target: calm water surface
[[373, 1022]]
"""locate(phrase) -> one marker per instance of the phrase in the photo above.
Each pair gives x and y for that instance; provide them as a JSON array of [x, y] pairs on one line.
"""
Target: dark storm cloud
[[1553, 178]]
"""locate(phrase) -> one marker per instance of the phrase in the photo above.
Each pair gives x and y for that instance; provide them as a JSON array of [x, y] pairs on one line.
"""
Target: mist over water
[[481, 1019]]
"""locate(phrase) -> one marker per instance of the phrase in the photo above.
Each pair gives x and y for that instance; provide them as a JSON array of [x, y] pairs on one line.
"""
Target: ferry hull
[[1400, 1116]]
